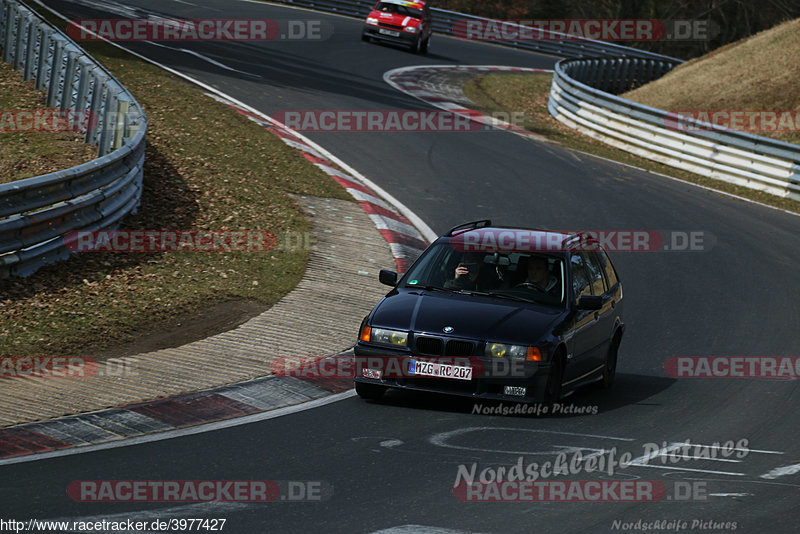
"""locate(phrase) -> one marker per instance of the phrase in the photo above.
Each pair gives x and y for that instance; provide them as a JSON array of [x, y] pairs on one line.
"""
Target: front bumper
[[402, 38], [488, 382]]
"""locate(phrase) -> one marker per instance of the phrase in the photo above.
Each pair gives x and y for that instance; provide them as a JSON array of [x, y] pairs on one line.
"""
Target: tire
[[425, 44], [417, 46], [610, 367], [369, 391], [366, 38], [552, 393]]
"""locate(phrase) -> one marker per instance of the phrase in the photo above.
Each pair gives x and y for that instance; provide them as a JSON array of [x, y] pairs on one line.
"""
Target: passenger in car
[[471, 274]]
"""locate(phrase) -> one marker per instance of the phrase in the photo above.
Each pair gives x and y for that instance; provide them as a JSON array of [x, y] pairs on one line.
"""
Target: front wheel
[[610, 367], [425, 45], [369, 391], [417, 46], [552, 392]]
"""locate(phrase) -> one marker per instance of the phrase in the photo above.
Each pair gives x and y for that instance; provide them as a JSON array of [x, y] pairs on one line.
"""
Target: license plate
[[514, 390], [389, 32], [439, 370], [371, 373]]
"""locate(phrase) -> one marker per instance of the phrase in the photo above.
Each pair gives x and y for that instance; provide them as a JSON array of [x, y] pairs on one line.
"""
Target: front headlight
[[411, 29], [372, 21], [513, 352], [384, 336]]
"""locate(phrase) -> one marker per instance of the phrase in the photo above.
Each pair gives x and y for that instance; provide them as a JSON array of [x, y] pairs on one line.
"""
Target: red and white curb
[[405, 241], [407, 80], [293, 383]]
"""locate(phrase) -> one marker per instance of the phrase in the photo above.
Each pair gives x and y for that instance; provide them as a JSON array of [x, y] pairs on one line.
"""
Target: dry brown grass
[[757, 73], [30, 153]]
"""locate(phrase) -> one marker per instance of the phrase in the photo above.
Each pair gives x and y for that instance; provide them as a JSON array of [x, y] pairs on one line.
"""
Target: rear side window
[[611, 275], [595, 272], [580, 278]]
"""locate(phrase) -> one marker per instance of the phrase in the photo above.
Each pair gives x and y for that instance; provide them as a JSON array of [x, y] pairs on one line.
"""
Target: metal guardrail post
[[99, 82], [82, 94], [109, 122], [69, 81], [20, 38], [120, 122], [30, 51], [41, 62], [55, 73], [8, 25]]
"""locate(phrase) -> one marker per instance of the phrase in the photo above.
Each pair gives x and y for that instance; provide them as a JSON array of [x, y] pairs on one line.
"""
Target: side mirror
[[590, 302], [388, 277]]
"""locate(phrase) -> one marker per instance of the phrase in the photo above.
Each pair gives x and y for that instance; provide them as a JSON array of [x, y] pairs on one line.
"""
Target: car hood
[[395, 18], [470, 316]]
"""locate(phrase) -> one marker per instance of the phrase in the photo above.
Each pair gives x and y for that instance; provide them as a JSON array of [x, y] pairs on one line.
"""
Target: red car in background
[[400, 22]]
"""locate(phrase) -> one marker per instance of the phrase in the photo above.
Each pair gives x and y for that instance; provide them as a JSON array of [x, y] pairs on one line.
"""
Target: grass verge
[[528, 93], [206, 168], [29, 153]]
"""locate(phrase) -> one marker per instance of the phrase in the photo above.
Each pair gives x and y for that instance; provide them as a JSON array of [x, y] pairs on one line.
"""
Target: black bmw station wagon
[[495, 313]]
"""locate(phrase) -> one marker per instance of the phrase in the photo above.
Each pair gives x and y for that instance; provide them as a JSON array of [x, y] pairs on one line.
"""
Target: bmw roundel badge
[[448, 329]]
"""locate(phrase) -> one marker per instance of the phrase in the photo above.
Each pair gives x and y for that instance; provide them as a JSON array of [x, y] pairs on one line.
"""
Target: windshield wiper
[[509, 297], [430, 288]]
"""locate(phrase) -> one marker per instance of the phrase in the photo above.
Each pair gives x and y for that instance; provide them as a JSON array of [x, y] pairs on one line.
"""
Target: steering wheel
[[531, 285]]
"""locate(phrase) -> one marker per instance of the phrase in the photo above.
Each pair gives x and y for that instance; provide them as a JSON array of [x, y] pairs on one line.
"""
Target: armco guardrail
[[36, 213], [581, 98]]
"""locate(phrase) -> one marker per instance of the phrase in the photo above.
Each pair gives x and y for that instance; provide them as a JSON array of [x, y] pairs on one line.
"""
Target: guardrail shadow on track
[[36, 213]]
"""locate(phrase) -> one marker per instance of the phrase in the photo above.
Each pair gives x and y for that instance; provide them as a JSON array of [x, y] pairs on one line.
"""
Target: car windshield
[[529, 277], [409, 9]]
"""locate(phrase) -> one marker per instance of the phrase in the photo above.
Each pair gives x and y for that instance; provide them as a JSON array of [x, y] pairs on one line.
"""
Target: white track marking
[[782, 472], [440, 440], [204, 58]]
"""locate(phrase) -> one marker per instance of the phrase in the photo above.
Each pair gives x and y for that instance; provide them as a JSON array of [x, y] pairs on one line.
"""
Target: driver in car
[[539, 276]]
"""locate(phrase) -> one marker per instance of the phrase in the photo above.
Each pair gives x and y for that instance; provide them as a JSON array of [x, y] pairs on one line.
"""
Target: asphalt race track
[[391, 466]]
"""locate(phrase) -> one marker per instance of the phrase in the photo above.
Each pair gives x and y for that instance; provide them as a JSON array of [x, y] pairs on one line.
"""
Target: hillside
[[760, 73]]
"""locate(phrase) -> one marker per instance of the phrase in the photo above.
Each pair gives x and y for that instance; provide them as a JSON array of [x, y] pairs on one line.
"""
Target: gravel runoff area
[[320, 317]]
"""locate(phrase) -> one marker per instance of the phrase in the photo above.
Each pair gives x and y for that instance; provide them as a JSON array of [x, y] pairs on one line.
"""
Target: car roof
[[419, 3], [483, 230]]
